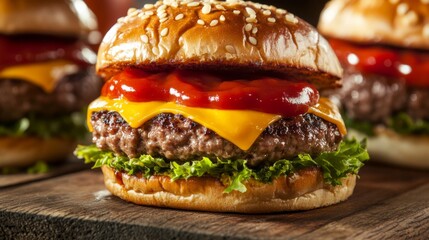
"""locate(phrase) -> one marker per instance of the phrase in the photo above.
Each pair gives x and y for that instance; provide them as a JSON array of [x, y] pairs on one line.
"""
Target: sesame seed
[[174, 4], [201, 22], [228, 55], [266, 12], [254, 30], [193, 4], [144, 16], [248, 27], [253, 40], [280, 11], [426, 31], [162, 8], [149, 13], [291, 18], [271, 20], [121, 20], [179, 16], [222, 18], [148, 6], [206, 9], [144, 38], [250, 11], [424, 1], [236, 12], [219, 7], [155, 50], [257, 5], [402, 8], [131, 10], [251, 20], [162, 15], [411, 18], [164, 32], [163, 20], [230, 48], [214, 23]]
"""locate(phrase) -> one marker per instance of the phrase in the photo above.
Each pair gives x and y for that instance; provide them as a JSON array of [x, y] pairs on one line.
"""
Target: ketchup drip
[[196, 89], [410, 65], [24, 49]]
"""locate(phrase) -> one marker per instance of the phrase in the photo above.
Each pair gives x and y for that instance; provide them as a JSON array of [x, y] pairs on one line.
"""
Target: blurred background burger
[[384, 49], [46, 78]]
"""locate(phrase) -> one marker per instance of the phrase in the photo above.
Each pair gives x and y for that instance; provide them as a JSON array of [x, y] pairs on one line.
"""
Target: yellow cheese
[[44, 75], [241, 127], [327, 110]]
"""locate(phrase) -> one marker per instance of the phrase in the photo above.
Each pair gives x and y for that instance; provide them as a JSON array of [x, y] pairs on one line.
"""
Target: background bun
[[302, 190], [403, 23], [402, 150], [54, 17], [228, 35], [25, 151]]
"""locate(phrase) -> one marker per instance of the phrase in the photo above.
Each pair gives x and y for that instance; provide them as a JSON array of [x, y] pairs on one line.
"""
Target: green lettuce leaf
[[404, 124], [401, 123], [70, 126], [336, 165]]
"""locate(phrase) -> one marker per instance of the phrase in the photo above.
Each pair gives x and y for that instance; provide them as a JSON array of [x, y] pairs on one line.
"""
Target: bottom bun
[[403, 150], [301, 191], [25, 151]]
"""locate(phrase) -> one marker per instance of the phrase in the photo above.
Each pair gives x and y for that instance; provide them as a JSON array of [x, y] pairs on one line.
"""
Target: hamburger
[[214, 106], [384, 49], [46, 79]]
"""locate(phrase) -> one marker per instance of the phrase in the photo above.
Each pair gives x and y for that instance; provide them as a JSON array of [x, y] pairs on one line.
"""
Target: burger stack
[[384, 49], [46, 79], [215, 106]]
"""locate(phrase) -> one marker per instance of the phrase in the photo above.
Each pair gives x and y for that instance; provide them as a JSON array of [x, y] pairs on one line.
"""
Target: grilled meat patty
[[18, 98], [175, 137], [376, 98]]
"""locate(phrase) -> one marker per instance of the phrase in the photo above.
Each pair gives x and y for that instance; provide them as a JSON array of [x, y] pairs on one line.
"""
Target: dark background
[[108, 11]]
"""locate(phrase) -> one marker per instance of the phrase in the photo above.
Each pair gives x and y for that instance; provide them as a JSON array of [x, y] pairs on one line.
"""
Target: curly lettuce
[[401, 123], [348, 159], [71, 126]]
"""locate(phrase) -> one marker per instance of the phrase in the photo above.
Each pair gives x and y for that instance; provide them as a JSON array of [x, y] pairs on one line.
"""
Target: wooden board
[[388, 203], [70, 165]]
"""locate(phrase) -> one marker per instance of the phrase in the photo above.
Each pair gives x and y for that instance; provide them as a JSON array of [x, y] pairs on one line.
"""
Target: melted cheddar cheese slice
[[45, 75], [241, 127]]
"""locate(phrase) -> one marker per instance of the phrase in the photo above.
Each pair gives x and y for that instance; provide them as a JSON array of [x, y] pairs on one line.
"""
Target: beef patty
[[376, 98], [18, 98], [175, 137]]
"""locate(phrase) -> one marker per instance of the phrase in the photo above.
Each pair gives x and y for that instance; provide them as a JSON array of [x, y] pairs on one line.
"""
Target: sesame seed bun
[[302, 190], [403, 23], [54, 17], [192, 35], [26, 151]]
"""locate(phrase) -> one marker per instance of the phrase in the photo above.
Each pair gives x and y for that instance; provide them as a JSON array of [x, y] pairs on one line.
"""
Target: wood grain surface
[[388, 203]]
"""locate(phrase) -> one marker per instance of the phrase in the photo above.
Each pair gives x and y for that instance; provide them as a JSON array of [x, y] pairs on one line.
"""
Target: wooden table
[[71, 202]]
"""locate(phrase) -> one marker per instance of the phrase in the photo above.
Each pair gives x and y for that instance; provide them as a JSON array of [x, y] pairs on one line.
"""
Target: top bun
[[403, 23], [219, 35], [53, 17]]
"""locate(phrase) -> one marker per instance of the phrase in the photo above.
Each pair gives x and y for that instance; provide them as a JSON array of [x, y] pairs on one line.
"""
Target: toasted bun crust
[[219, 35], [402, 150], [55, 17], [301, 191], [403, 23], [25, 151]]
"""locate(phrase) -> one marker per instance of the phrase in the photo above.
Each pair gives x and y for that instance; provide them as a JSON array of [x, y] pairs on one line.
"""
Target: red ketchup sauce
[[197, 89], [25, 49], [411, 65]]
